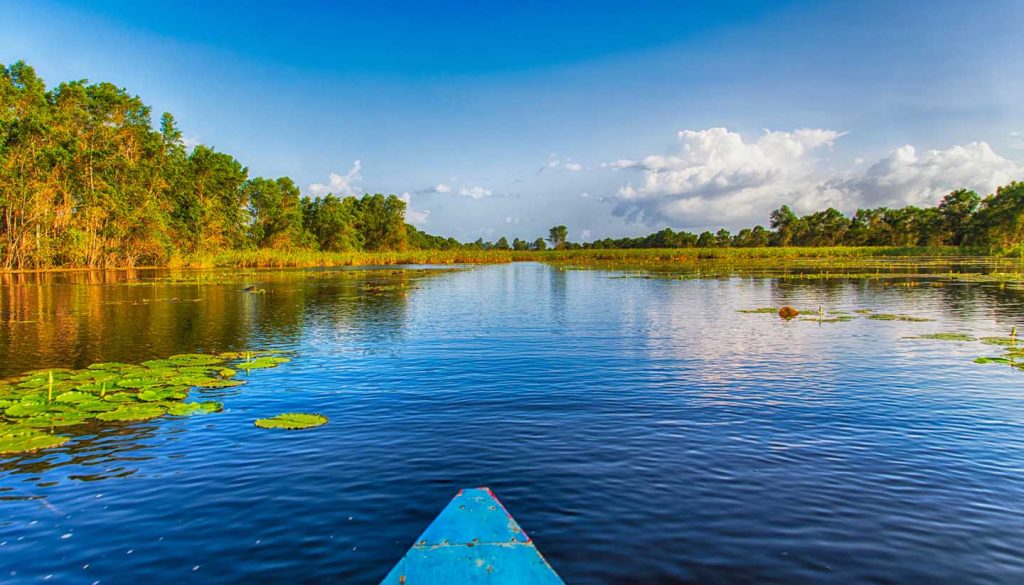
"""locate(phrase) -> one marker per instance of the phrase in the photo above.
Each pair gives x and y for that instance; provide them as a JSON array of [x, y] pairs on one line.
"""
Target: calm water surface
[[640, 430]]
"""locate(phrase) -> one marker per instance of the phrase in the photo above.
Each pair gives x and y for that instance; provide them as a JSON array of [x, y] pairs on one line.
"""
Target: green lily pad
[[96, 405], [194, 359], [161, 394], [23, 409], [74, 397], [191, 408], [120, 397], [56, 419], [21, 441], [158, 364], [999, 340], [264, 362], [991, 360], [765, 310], [292, 421], [227, 372], [138, 383], [892, 317], [945, 337], [131, 412]]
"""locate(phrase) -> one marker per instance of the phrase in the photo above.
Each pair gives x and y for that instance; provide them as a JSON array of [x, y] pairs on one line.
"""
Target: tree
[[382, 222], [502, 244], [557, 236], [275, 212], [540, 244], [518, 244], [957, 209]]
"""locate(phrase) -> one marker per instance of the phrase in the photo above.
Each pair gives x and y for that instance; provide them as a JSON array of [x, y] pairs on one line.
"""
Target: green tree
[[540, 244], [557, 236], [957, 210]]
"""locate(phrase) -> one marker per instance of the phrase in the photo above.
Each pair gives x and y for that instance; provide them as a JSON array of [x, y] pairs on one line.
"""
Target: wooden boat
[[473, 541]]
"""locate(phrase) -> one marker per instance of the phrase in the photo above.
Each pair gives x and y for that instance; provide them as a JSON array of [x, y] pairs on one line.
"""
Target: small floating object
[[788, 312], [292, 421], [474, 540]]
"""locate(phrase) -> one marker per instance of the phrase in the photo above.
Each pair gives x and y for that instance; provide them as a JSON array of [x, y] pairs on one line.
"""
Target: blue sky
[[506, 118]]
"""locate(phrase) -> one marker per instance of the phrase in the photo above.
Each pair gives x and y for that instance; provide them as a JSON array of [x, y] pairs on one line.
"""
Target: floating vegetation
[[292, 421], [945, 337], [762, 310], [1008, 341], [35, 404], [19, 440], [892, 317], [993, 360]]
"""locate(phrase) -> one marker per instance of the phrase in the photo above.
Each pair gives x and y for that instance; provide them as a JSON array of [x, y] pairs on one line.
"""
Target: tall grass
[[609, 257]]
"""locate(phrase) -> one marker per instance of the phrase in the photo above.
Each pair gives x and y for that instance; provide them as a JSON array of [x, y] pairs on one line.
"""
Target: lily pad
[[130, 412], [24, 440], [945, 337], [56, 419], [264, 362], [292, 421], [26, 408], [992, 360], [999, 340], [191, 408], [75, 397], [194, 359], [762, 310], [892, 317]]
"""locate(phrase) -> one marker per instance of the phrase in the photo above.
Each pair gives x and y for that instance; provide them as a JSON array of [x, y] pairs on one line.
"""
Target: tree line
[[962, 218], [86, 180]]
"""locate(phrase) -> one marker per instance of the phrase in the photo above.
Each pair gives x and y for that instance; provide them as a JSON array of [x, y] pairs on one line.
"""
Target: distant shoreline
[[251, 259]]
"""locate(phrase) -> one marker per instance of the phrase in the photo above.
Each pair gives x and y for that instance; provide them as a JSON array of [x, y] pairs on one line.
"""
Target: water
[[639, 430]]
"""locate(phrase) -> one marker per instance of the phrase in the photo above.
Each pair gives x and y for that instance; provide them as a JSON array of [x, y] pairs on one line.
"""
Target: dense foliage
[[87, 181]]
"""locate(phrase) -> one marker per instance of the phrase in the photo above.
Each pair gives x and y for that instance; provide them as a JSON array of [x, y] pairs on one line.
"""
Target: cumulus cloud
[[340, 185], [715, 177], [473, 192], [411, 215], [906, 177]]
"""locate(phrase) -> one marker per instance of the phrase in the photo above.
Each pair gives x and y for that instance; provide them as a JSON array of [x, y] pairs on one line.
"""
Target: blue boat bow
[[473, 541]]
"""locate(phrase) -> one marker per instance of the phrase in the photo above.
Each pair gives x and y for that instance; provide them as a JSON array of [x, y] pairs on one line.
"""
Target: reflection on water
[[642, 430]]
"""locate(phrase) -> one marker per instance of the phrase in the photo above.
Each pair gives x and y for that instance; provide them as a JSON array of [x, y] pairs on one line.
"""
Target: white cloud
[[512, 220], [559, 164], [475, 192], [584, 195], [340, 185], [411, 215], [585, 234], [716, 177], [906, 177]]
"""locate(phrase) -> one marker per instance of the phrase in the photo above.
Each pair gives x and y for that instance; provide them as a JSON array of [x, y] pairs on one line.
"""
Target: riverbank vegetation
[[88, 181]]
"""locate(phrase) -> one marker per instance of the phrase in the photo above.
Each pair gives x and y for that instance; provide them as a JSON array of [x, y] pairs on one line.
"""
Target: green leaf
[[191, 408], [20, 441], [292, 421], [130, 412]]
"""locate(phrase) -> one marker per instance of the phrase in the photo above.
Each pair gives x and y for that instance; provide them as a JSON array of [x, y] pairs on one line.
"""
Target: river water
[[640, 430]]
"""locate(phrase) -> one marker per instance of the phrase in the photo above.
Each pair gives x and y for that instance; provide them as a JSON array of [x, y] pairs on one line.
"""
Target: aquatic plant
[[945, 337], [292, 421], [892, 317], [19, 440], [113, 392]]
